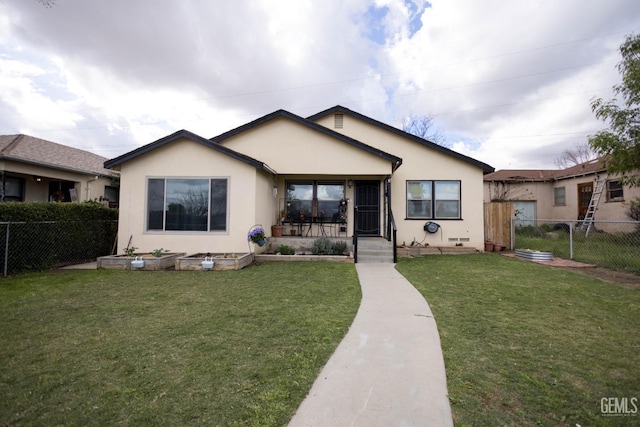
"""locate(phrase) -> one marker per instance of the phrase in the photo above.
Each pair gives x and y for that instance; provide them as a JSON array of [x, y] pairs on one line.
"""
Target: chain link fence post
[[610, 244]]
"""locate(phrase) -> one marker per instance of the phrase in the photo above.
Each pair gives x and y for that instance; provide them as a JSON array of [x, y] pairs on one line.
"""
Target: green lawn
[[528, 345], [169, 348], [524, 344]]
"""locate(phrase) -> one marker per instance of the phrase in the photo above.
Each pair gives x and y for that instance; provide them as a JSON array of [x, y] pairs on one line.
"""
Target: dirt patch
[[628, 280]]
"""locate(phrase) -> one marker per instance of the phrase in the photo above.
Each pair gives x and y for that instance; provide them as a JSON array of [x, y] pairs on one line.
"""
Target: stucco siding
[[291, 148], [543, 194], [187, 159], [423, 163], [87, 186]]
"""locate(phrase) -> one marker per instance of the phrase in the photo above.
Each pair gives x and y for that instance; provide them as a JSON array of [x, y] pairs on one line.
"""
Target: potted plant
[[256, 235], [276, 230]]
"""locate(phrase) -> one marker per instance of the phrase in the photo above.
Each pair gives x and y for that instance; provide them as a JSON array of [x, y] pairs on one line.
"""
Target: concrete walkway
[[388, 370]]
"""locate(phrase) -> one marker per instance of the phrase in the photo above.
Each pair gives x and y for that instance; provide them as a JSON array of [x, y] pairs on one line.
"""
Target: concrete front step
[[372, 250]]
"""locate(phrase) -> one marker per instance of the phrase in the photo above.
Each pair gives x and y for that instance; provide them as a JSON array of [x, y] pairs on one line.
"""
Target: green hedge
[[47, 235], [44, 211]]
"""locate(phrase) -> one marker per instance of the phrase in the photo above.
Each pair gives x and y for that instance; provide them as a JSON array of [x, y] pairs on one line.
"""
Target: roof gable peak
[[424, 142]]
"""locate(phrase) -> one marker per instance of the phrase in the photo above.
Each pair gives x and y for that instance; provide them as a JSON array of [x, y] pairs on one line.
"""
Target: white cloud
[[508, 82]]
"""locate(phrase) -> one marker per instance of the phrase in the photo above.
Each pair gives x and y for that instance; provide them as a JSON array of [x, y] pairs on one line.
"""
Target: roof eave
[[340, 109], [109, 164], [305, 122], [55, 166]]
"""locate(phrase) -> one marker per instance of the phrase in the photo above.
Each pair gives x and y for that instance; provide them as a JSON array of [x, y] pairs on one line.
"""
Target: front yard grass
[[169, 348], [526, 344]]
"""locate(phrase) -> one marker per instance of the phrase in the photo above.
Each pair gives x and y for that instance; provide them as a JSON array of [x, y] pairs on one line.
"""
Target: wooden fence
[[497, 222]]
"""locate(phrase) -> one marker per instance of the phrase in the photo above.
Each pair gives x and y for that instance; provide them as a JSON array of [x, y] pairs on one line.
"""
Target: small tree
[[580, 153], [421, 126], [621, 142]]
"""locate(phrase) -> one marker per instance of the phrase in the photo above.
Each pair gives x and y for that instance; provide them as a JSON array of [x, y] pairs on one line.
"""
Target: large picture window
[[433, 199], [187, 204], [314, 200]]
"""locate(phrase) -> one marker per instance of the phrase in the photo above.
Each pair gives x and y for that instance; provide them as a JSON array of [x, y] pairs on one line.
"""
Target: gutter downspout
[[89, 186]]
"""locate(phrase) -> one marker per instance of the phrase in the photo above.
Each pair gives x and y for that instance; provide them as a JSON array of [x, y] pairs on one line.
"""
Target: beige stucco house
[[336, 173], [36, 170], [560, 195]]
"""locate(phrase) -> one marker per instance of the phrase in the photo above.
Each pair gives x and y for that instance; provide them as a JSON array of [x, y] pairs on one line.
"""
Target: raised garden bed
[[123, 262], [220, 261], [309, 257], [534, 255]]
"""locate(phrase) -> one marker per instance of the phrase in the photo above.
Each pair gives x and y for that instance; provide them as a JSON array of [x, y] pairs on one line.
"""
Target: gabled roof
[[36, 151], [403, 134], [397, 161], [193, 137], [519, 175], [586, 168], [540, 175]]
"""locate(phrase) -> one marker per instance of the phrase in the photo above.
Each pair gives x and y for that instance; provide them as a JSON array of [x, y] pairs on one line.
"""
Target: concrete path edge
[[388, 370]]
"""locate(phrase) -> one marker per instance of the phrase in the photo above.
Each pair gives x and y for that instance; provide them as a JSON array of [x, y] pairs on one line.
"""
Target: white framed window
[[559, 196], [187, 204], [433, 199]]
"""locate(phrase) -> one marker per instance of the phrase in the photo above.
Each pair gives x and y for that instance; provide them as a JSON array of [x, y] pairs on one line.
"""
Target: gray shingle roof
[[38, 151], [519, 175]]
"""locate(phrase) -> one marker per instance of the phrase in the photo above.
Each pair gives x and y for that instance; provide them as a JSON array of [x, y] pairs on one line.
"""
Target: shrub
[[44, 211], [526, 230], [634, 209], [285, 250], [339, 247], [324, 246], [43, 235]]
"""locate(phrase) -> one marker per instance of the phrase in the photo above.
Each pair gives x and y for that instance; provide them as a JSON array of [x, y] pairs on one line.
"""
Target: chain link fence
[[611, 244], [36, 246]]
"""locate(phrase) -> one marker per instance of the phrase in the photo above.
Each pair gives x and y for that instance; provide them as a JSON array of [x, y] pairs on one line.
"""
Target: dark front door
[[368, 208]]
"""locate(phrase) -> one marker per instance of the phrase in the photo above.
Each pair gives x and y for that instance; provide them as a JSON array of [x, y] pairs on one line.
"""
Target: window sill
[[433, 219]]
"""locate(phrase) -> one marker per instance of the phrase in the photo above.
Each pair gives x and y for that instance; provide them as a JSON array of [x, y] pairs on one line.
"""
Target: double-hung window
[[615, 193], [433, 200], [187, 204], [559, 196]]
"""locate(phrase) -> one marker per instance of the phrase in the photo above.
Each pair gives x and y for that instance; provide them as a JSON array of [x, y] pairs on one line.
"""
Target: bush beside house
[[45, 235]]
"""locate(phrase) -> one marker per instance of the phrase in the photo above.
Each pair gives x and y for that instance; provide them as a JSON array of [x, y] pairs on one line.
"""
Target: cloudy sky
[[506, 82]]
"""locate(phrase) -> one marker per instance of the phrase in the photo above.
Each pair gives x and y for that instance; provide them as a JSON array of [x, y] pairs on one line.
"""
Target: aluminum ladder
[[598, 189]]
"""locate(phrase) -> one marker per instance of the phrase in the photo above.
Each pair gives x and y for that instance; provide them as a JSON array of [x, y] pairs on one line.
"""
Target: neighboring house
[[35, 170], [191, 194], [560, 194]]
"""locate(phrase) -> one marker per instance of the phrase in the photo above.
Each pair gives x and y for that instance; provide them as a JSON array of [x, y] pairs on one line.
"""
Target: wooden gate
[[497, 222]]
